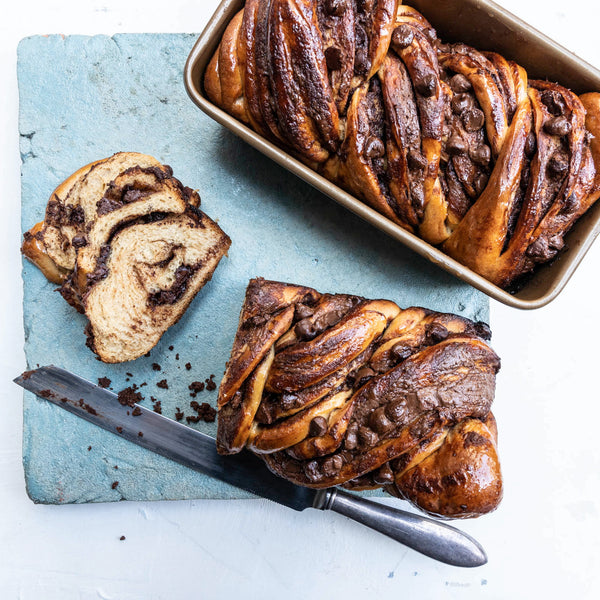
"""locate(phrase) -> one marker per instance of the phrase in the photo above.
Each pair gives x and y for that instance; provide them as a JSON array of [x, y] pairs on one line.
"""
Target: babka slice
[[333, 389], [130, 248]]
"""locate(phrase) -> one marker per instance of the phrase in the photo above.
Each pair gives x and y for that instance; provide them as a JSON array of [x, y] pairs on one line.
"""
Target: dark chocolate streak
[[172, 295]]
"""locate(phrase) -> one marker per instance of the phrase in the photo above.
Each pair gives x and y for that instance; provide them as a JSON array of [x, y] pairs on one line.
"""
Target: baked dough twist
[[130, 248], [339, 390], [453, 144]]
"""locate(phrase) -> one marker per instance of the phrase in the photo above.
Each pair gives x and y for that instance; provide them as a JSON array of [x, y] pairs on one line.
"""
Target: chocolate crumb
[[104, 382], [119, 429], [115, 467], [188, 366], [114, 484], [157, 407], [140, 434], [122, 538], [129, 374], [136, 412], [193, 419], [89, 448], [129, 397], [147, 355], [26, 375], [143, 384], [210, 384], [205, 412], [156, 367], [46, 394], [87, 407], [178, 413], [163, 384], [64, 399], [196, 386], [177, 356], [171, 347]]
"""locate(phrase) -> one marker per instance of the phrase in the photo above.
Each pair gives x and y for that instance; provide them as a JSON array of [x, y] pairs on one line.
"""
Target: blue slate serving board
[[84, 98]]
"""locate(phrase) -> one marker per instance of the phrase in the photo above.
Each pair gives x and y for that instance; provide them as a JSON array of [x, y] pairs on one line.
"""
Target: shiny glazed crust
[[339, 390], [455, 145]]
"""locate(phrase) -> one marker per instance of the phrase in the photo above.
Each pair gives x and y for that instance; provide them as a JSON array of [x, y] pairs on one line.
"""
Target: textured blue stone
[[83, 98]]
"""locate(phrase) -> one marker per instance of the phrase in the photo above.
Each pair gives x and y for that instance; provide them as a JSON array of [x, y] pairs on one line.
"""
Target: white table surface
[[543, 541]]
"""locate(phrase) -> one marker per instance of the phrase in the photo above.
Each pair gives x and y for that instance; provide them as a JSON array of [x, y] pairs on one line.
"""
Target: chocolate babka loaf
[[339, 390], [129, 247], [453, 144]]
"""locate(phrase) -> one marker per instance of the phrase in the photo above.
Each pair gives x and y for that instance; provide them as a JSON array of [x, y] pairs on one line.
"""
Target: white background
[[542, 542]]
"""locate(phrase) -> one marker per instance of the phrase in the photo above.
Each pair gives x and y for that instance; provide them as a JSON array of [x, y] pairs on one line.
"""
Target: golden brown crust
[[339, 390], [428, 134], [33, 248], [461, 478]]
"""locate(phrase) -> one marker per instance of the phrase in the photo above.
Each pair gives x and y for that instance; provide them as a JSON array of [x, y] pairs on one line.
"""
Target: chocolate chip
[[395, 410], [553, 102], [530, 145], [481, 155], [401, 351], [318, 427], [312, 472], [302, 311], [350, 441], [79, 241], [304, 329], [384, 475], [416, 160], [459, 84], [379, 421], [558, 164], [462, 102], [362, 375], [374, 148], [336, 8], [557, 126], [333, 465], [456, 145], [480, 183], [366, 437], [473, 119], [333, 58], [403, 36], [436, 333], [426, 85]]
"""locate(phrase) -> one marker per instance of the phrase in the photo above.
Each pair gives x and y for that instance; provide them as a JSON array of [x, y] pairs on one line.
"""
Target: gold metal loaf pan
[[479, 23]]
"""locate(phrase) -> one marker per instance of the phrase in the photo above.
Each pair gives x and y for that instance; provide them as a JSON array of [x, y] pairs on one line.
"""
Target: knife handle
[[427, 536]]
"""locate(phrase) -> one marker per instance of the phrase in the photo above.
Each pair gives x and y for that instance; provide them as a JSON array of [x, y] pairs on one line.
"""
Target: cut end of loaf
[[130, 247]]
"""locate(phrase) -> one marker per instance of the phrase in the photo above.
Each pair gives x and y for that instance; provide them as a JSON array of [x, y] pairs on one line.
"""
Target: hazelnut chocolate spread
[[363, 394]]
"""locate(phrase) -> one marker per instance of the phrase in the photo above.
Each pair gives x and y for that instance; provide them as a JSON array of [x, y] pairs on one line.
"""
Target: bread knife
[[198, 451]]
